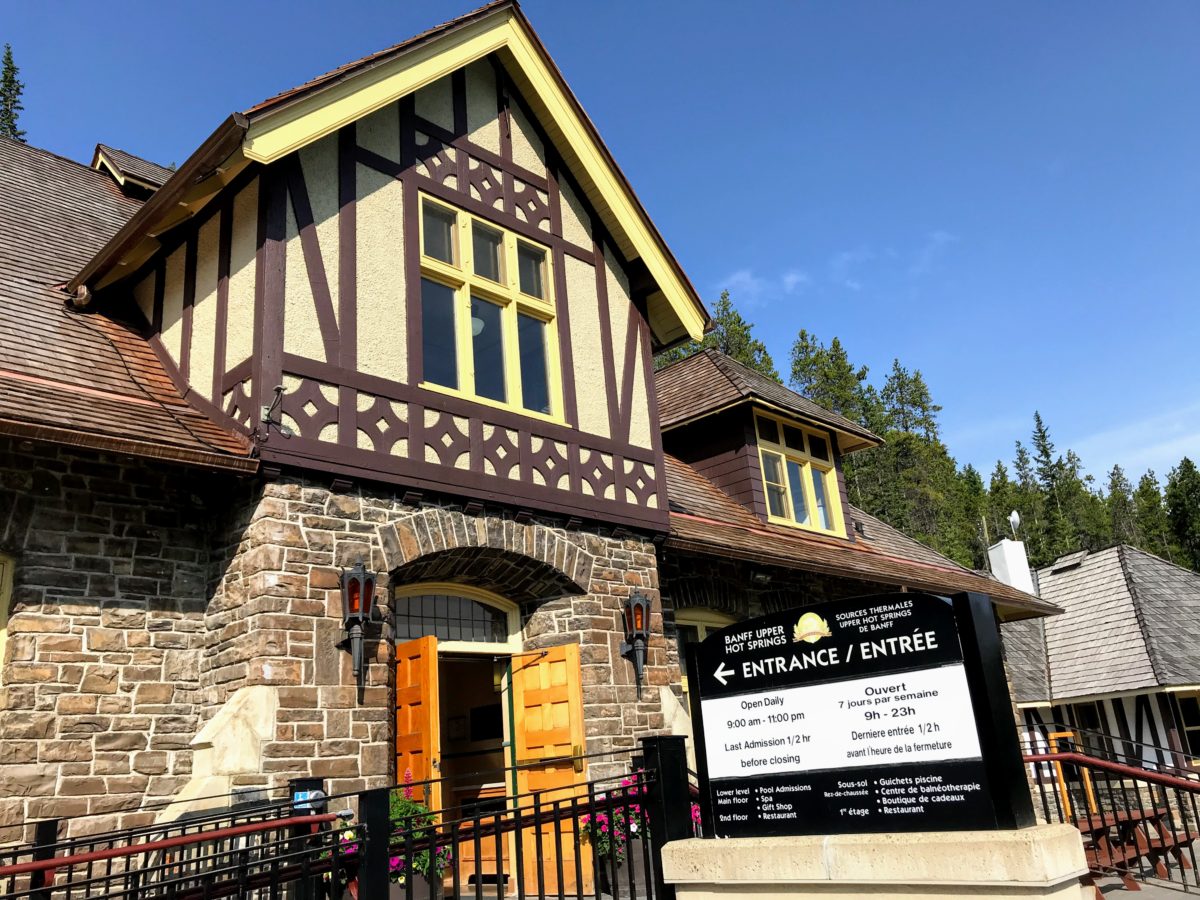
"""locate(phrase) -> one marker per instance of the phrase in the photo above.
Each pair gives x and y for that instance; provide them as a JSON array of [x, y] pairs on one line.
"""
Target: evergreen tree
[[10, 97], [1183, 510], [1084, 513], [1001, 501], [968, 540], [733, 336], [825, 375], [1122, 513], [1151, 518], [906, 398], [1030, 506]]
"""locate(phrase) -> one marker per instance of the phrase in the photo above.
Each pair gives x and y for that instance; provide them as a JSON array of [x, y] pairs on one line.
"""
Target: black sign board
[[873, 714]]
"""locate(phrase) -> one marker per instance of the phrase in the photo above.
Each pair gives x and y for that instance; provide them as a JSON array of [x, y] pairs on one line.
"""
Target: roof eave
[[280, 126], [216, 149], [1010, 608], [852, 442], [242, 465]]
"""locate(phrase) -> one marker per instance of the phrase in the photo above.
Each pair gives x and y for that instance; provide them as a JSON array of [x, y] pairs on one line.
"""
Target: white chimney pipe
[[1010, 565]]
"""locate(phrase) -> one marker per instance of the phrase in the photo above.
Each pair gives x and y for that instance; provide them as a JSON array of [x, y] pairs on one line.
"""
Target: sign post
[[876, 714]]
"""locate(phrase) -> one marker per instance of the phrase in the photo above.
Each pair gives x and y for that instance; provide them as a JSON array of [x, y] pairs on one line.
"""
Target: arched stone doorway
[[487, 683]]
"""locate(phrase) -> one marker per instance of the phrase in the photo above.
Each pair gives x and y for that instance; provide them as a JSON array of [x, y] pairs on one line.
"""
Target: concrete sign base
[[1043, 861]]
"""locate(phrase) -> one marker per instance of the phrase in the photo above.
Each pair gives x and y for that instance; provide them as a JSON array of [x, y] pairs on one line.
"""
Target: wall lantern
[[358, 598], [637, 634]]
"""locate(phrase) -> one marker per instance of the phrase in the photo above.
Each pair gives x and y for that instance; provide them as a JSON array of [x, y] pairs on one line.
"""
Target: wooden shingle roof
[[708, 381], [706, 520], [86, 379], [1128, 624], [130, 166]]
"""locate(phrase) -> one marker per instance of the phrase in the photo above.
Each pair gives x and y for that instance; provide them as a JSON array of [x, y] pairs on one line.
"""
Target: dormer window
[[487, 313], [799, 476]]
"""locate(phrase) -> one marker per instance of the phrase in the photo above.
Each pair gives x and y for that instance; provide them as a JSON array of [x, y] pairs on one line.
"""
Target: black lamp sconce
[[636, 616], [358, 605]]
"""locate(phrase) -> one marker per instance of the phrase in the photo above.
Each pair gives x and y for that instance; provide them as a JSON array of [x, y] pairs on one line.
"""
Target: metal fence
[[1138, 824], [589, 839]]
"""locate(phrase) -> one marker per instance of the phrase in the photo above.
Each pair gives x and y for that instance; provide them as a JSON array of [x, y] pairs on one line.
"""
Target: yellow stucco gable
[[300, 117]]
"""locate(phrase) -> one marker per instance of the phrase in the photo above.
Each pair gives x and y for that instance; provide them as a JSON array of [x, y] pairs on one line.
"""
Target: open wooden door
[[549, 740], [417, 717]]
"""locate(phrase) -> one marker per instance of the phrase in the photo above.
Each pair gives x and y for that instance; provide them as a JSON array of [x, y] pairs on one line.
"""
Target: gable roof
[[290, 120], [704, 519], [709, 381], [125, 166], [69, 377], [1128, 624]]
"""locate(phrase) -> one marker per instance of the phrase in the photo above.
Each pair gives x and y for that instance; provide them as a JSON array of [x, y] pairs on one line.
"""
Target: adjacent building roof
[[706, 520], [86, 379], [125, 165], [1128, 624], [709, 381]]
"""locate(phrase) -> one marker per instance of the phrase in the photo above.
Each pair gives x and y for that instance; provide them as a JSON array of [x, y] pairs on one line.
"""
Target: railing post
[[670, 801], [375, 817], [300, 791], [45, 836]]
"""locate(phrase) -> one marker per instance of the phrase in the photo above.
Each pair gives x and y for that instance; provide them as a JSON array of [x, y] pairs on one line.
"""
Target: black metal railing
[[557, 838], [1137, 824]]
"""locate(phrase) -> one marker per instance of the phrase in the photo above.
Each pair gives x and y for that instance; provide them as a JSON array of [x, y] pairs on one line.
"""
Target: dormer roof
[[706, 520], [708, 382], [298, 117], [125, 168]]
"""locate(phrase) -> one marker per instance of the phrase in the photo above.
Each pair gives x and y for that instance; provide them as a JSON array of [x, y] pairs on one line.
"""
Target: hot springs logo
[[810, 629]]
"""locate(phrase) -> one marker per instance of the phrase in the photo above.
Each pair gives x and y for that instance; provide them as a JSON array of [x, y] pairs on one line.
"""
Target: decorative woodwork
[[362, 426]]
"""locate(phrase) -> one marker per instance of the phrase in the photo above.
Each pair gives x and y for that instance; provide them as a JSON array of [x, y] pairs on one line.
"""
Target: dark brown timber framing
[[405, 433]]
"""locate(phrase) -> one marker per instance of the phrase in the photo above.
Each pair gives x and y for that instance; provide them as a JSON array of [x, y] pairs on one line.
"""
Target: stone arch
[[524, 562]]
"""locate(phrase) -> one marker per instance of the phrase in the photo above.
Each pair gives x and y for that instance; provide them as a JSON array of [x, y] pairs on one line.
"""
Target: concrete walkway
[[1112, 888]]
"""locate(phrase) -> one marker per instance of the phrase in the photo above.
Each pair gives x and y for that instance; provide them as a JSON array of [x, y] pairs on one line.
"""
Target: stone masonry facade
[[147, 595], [101, 685], [275, 617]]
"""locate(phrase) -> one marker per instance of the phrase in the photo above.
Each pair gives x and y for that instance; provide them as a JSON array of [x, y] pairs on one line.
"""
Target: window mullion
[[512, 354], [462, 332], [512, 349], [810, 494], [789, 507]]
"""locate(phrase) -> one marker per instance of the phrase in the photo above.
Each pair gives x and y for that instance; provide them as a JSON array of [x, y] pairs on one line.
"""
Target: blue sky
[[1004, 196]]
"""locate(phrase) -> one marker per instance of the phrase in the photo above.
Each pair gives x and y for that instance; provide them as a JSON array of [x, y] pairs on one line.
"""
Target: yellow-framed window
[[799, 476], [487, 313], [692, 625]]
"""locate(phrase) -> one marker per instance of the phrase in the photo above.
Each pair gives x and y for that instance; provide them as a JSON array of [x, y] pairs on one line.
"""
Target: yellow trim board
[[278, 132]]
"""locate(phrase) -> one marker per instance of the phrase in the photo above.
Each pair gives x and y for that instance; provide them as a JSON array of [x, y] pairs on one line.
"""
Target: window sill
[[788, 523], [494, 404]]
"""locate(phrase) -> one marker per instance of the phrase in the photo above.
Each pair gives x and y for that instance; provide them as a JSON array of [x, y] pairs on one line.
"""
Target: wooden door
[[418, 718], [549, 740]]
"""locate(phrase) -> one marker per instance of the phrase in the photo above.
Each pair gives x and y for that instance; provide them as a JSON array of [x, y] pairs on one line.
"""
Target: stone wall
[[101, 689], [275, 618], [149, 596]]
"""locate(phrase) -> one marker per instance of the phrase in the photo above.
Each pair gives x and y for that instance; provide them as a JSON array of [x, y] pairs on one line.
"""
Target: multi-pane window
[[450, 618], [799, 476], [487, 312]]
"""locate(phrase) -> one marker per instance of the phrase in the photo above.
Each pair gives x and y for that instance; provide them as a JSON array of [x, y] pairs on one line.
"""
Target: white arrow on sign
[[722, 674]]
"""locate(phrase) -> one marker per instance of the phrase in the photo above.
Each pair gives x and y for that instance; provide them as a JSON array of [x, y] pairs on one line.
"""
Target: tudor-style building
[[404, 314]]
